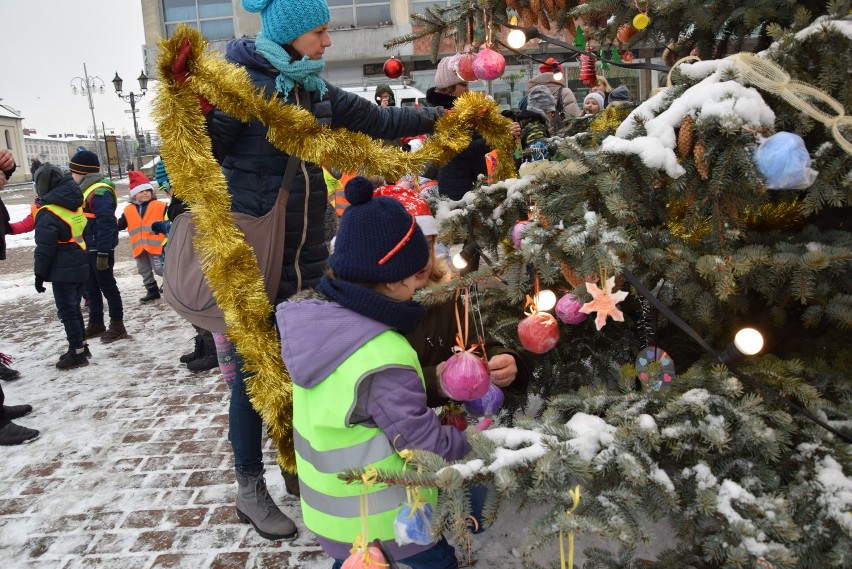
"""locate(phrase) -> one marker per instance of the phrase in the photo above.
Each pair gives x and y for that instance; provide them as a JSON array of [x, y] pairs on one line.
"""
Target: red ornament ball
[[568, 309], [489, 64], [538, 332], [393, 68], [464, 67], [454, 417]]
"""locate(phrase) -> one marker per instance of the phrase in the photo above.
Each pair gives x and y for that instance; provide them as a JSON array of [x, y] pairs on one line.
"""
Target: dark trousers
[[244, 425], [68, 297], [101, 284], [3, 419]]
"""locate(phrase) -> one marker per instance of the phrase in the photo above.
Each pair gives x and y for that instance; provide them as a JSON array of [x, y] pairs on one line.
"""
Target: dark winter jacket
[[458, 176], [55, 261], [570, 107], [254, 168], [534, 131], [433, 340], [101, 231], [5, 228]]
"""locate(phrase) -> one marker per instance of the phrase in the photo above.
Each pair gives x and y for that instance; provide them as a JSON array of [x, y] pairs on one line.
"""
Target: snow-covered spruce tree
[[674, 196]]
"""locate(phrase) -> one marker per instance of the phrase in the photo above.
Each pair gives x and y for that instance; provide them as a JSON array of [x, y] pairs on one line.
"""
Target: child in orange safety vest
[[137, 218]]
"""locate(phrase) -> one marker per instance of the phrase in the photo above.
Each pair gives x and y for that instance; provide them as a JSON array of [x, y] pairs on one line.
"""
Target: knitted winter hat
[[378, 240], [85, 162], [414, 204], [162, 176], [446, 75], [620, 93], [385, 89], [46, 178], [547, 66], [139, 182], [541, 100], [282, 21], [597, 97]]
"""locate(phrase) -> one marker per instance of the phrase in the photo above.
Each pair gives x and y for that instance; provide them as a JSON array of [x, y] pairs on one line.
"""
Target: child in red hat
[[138, 216]]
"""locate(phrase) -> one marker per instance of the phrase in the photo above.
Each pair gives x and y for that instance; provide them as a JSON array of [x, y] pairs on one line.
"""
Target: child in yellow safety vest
[[60, 255], [137, 218]]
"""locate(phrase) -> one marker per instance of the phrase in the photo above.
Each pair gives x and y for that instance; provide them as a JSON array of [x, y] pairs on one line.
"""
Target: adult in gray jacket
[[569, 107], [286, 60]]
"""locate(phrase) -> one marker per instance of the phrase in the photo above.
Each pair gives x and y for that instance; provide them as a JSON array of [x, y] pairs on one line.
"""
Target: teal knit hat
[[282, 21], [162, 176]]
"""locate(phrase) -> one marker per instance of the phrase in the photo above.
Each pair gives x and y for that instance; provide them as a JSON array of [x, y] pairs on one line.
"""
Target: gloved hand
[[103, 261], [161, 227], [39, 284]]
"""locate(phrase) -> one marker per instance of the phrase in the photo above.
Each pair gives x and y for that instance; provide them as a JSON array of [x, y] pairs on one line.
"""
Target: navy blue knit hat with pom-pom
[[378, 240]]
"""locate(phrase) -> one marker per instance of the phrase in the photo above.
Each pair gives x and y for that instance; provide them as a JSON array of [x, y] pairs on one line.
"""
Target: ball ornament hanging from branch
[[464, 67], [393, 68], [568, 309], [489, 64], [641, 21]]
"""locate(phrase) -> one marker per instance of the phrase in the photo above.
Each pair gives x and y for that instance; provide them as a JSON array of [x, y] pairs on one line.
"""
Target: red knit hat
[[139, 182], [414, 204], [547, 66]]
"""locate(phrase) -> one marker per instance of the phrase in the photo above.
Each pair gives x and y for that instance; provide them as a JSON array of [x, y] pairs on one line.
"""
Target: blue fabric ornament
[[413, 528], [785, 163]]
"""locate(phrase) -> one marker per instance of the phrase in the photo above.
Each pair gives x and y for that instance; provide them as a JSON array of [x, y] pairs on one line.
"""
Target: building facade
[[12, 138]]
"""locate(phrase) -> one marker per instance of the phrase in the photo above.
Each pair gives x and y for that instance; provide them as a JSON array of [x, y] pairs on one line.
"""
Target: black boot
[[152, 294], [208, 359], [194, 354], [12, 434], [73, 358], [6, 372]]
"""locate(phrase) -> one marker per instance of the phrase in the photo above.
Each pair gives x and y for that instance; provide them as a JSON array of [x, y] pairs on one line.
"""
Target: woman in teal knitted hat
[[286, 61]]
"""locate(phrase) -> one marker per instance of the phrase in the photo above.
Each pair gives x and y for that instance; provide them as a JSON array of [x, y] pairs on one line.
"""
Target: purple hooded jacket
[[316, 337]]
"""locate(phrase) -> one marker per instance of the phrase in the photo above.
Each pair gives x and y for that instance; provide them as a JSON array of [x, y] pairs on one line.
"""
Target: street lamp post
[[132, 98], [85, 86]]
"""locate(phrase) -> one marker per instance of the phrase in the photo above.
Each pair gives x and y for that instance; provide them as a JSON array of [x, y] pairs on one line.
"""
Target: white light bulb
[[458, 261], [749, 341], [545, 299], [516, 39], [557, 76]]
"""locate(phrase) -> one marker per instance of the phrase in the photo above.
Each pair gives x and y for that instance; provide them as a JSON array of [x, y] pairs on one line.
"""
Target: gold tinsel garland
[[228, 261], [781, 216]]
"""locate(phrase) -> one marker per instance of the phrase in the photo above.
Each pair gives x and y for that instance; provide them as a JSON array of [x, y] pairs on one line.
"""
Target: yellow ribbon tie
[[575, 498]]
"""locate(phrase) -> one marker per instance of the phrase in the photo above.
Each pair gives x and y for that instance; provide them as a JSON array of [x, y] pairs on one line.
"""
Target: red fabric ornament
[[489, 64], [464, 67], [464, 376], [393, 68], [568, 309], [588, 71], [538, 332], [625, 33], [454, 416]]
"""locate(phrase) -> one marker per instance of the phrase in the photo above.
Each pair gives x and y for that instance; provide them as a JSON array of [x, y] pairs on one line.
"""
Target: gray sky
[[45, 44]]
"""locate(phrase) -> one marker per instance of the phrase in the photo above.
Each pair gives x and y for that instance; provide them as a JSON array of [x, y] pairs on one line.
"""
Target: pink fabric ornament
[[464, 67], [568, 309], [489, 64], [373, 558], [538, 332], [488, 404], [464, 376], [517, 232]]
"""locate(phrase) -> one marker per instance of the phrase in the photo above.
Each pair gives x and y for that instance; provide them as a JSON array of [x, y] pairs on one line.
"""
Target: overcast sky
[[46, 43]]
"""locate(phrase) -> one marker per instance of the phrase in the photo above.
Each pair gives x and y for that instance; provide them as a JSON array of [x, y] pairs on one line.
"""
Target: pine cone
[[552, 7], [701, 163], [570, 275], [684, 137], [535, 6]]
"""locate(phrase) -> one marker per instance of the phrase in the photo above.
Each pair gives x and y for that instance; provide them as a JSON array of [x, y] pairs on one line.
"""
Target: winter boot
[[153, 294], [208, 359], [94, 329], [194, 354], [86, 350], [255, 507], [6, 372], [13, 412], [74, 357], [12, 434], [115, 332], [291, 483]]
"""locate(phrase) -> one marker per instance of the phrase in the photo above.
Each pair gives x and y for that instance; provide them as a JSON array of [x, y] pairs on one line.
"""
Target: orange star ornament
[[604, 303]]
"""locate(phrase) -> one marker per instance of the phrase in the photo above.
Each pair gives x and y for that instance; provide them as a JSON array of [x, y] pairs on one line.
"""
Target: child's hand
[[39, 285]]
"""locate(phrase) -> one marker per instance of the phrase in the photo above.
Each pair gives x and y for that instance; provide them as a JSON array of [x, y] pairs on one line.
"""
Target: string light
[[545, 299], [516, 38]]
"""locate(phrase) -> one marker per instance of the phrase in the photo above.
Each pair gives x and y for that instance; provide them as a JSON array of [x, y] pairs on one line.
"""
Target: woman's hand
[[502, 369]]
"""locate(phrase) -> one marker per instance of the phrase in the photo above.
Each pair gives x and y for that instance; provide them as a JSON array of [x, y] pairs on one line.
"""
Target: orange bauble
[[625, 33]]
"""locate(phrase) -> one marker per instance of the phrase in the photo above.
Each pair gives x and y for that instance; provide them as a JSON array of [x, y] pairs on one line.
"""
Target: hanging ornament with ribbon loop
[[588, 71], [539, 331], [464, 376]]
